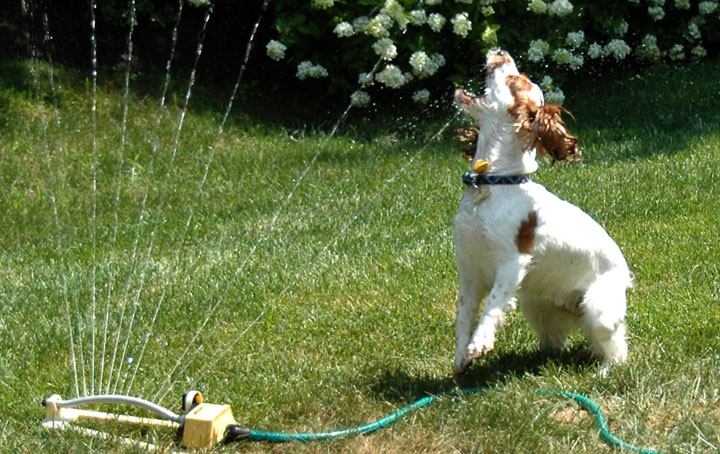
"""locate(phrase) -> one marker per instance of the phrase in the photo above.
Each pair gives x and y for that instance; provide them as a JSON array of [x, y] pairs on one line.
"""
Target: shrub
[[419, 45]]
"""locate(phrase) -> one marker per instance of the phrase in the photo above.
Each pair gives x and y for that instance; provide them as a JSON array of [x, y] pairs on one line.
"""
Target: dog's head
[[512, 98]]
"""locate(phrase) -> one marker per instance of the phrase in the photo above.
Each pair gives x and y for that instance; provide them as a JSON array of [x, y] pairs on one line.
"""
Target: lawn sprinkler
[[203, 425], [200, 427]]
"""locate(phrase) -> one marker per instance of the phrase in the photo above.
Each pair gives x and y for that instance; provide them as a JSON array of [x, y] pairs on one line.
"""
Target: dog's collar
[[475, 179]]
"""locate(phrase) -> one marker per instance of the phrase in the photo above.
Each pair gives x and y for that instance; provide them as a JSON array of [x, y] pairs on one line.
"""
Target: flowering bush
[[366, 46]]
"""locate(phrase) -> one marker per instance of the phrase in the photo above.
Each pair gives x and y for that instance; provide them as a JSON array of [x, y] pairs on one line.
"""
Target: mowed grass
[[309, 281]]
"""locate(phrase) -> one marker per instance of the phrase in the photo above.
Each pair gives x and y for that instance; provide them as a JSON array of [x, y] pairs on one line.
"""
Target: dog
[[513, 236]]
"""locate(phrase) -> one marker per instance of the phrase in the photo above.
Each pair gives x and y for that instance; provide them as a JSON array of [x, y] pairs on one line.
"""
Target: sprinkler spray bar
[[201, 427]]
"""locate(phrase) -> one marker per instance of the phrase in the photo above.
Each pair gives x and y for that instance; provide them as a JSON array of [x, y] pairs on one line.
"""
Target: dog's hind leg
[[603, 315], [468, 302], [550, 323], [500, 300]]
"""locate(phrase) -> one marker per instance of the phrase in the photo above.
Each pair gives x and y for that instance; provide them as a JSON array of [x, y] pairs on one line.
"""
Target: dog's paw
[[476, 351], [482, 342], [461, 365]]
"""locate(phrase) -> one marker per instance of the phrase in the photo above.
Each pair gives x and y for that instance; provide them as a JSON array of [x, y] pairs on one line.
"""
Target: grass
[[335, 306]]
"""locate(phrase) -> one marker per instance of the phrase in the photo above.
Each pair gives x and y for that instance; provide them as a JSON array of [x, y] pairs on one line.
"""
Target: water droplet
[[129, 360]]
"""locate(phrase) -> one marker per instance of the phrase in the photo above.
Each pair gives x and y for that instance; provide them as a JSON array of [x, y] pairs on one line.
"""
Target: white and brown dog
[[513, 236]]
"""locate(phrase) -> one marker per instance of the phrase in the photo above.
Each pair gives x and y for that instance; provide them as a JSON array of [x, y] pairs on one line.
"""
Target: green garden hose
[[238, 433]]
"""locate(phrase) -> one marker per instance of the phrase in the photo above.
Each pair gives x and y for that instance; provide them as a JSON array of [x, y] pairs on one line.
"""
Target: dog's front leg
[[500, 300], [468, 303]]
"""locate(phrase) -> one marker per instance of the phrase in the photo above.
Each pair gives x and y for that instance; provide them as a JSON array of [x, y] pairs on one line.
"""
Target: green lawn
[[309, 281]]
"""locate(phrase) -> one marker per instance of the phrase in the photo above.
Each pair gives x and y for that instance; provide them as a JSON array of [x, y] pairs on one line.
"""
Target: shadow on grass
[[495, 370], [632, 115], [656, 111]]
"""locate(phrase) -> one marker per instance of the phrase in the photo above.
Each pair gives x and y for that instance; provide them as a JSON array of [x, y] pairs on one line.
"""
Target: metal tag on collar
[[470, 179]]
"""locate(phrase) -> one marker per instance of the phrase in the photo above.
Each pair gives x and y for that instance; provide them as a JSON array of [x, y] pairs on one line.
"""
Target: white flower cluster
[[418, 17], [461, 24], [421, 96], [551, 94], [677, 52], [393, 77], [565, 57], [308, 70], [436, 21], [323, 4], [538, 49], [648, 49], [560, 8], [359, 99], [489, 35], [344, 30], [707, 7], [617, 48], [562, 56], [575, 39], [537, 6], [385, 49], [390, 20], [556, 8], [595, 50], [693, 31], [424, 65], [275, 50], [379, 26], [656, 12], [395, 11], [698, 52]]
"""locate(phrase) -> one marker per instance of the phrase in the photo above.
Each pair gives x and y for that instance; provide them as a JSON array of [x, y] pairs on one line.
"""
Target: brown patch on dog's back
[[525, 239]]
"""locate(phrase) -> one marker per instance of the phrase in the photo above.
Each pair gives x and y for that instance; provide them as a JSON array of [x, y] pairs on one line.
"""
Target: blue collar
[[473, 179]]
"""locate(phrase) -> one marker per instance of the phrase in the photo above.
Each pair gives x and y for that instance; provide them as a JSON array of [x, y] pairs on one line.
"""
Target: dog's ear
[[524, 110], [553, 138]]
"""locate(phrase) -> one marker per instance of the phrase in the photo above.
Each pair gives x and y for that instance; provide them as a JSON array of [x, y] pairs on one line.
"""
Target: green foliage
[[556, 39]]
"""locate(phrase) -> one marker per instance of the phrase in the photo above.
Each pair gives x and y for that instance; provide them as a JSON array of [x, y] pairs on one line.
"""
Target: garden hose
[[237, 433]]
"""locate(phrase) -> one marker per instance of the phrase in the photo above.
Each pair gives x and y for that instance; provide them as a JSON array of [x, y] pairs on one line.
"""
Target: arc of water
[[200, 189], [213, 360], [350, 104], [176, 145], [173, 45], [93, 232], [121, 162], [35, 72], [141, 216], [267, 231]]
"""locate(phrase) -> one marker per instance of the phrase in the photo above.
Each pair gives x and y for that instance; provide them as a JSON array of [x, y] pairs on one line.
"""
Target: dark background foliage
[[308, 33]]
